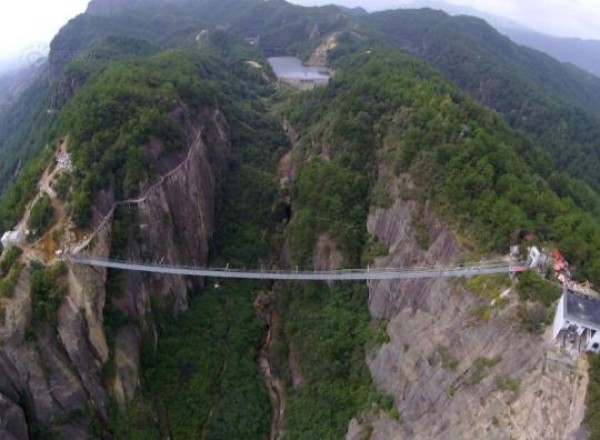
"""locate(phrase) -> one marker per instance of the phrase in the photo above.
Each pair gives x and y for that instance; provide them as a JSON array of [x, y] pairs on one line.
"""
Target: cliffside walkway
[[142, 198], [483, 268]]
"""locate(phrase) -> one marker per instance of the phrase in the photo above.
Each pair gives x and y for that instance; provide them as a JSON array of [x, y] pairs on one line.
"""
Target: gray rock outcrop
[[454, 374], [61, 382], [13, 424]]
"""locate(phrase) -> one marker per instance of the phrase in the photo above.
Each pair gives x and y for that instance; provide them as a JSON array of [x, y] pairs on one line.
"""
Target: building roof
[[583, 309]]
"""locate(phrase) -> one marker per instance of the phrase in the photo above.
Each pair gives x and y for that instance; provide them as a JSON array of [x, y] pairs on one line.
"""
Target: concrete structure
[[253, 41], [535, 255], [576, 326], [12, 238], [305, 83], [515, 251], [291, 71], [63, 162]]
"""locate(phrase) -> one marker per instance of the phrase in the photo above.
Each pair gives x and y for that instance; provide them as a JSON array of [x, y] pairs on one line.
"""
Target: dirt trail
[[45, 247], [108, 217]]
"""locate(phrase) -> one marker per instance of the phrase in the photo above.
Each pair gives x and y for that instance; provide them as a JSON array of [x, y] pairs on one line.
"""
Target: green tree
[[41, 215]]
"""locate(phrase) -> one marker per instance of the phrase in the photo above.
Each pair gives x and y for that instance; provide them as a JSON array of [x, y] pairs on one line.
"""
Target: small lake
[[292, 68]]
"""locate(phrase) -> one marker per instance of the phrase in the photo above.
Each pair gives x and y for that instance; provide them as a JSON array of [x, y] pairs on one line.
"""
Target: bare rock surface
[[14, 312], [55, 379], [320, 56], [13, 425], [327, 255], [378, 426], [394, 227], [453, 374], [127, 359]]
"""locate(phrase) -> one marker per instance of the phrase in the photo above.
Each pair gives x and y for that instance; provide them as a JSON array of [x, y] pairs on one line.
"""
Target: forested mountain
[[482, 50], [284, 28], [556, 105], [434, 143], [552, 102], [584, 54]]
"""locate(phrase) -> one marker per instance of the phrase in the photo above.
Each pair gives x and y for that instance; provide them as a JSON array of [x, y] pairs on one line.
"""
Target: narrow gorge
[[159, 132]]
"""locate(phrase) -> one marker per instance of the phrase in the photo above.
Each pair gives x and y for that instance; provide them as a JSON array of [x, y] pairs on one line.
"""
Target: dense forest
[[481, 175], [556, 105]]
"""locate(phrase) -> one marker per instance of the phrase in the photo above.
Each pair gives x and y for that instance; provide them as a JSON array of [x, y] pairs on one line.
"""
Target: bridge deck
[[349, 274]]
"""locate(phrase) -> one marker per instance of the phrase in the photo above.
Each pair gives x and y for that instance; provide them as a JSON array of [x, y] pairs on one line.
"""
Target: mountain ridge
[[580, 52], [511, 79]]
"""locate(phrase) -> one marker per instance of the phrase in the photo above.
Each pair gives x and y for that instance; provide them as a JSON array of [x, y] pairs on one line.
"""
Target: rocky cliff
[[68, 372], [453, 371]]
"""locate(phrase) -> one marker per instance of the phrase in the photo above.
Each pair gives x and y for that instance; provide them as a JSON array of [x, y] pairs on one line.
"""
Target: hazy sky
[[569, 18], [27, 25]]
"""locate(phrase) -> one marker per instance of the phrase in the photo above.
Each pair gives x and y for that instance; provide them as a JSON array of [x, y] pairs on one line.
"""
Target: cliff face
[[66, 88], [68, 373], [452, 373]]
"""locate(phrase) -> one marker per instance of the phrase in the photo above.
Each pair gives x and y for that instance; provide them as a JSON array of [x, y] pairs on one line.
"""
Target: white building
[[63, 162], [534, 257], [12, 238], [576, 326]]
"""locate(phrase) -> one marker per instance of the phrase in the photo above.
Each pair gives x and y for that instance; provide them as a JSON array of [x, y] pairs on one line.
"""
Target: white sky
[[29, 25], [564, 18], [26, 26]]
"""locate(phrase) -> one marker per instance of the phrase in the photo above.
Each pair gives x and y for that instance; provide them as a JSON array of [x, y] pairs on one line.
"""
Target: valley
[[373, 211]]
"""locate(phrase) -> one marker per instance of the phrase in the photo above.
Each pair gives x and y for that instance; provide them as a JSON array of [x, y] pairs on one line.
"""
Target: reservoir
[[290, 70]]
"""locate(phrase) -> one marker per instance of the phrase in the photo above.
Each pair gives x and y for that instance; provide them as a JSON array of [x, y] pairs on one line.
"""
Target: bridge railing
[[465, 269]]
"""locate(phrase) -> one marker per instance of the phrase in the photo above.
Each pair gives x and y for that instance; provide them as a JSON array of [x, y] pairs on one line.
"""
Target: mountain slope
[[440, 170], [584, 54], [89, 40], [483, 48], [552, 103], [179, 152], [284, 28]]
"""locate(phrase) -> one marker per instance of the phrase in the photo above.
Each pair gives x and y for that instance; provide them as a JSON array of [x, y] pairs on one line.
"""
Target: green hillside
[[557, 105], [282, 27], [482, 175]]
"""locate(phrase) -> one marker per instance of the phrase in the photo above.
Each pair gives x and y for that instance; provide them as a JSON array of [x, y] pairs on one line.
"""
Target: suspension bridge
[[368, 274]]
